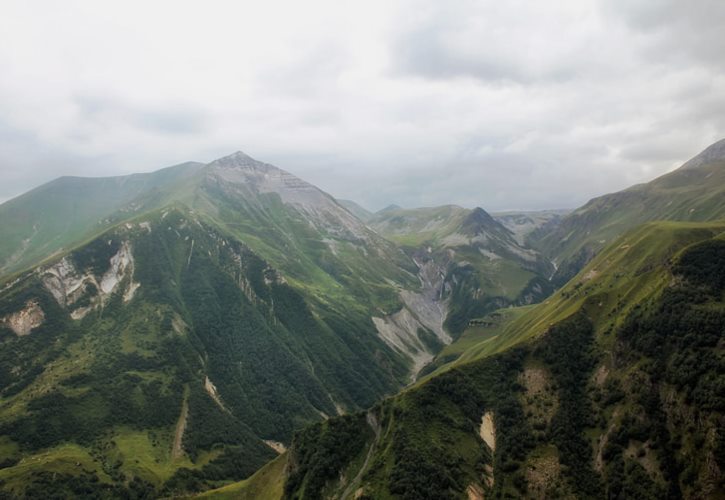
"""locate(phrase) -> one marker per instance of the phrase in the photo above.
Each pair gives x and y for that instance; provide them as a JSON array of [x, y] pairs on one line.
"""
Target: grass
[[475, 340], [266, 484], [147, 454], [685, 195], [64, 459], [630, 269]]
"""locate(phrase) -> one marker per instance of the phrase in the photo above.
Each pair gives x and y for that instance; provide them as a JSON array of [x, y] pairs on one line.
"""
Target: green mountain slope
[[610, 388], [179, 348], [694, 192], [58, 215]]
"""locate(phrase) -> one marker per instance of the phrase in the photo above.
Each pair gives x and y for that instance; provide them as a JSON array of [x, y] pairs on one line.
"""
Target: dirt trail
[[375, 426], [177, 451]]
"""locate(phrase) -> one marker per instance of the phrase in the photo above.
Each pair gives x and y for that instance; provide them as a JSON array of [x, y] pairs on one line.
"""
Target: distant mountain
[[482, 265], [176, 327], [389, 208], [694, 192], [523, 224], [357, 210]]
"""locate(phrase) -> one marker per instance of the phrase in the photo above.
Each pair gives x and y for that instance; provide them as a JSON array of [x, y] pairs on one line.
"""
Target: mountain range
[[170, 333]]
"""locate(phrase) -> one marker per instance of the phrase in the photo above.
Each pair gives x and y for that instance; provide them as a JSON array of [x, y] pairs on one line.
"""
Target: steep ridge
[[610, 388], [694, 192]]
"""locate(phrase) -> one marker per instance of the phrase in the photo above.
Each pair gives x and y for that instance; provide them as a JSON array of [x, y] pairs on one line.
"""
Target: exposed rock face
[[23, 321], [421, 310], [120, 264], [400, 331], [64, 282], [67, 284], [714, 152], [488, 430], [210, 389], [244, 176]]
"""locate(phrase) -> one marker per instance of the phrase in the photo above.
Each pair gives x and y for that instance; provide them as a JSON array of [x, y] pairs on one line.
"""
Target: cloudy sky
[[519, 104]]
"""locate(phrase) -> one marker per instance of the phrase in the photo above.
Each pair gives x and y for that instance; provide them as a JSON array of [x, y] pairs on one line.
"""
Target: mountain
[[230, 330], [56, 215], [611, 388], [178, 336], [694, 192], [480, 263], [522, 224], [358, 211]]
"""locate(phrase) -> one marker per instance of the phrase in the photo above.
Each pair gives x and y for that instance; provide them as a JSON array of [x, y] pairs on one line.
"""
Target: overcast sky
[[517, 104]]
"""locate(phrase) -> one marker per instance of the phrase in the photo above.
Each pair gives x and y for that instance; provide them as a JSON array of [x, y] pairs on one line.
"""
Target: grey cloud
[[518, 104], [164, 119], [686, 33], [497, 45]]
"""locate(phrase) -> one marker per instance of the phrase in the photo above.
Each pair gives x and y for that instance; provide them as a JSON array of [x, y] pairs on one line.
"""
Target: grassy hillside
[[612, 387], [160, 355], [56, 216], [687, 194]]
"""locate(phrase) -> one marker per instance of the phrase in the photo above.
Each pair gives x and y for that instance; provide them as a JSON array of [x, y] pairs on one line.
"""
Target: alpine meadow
[[489, 267]]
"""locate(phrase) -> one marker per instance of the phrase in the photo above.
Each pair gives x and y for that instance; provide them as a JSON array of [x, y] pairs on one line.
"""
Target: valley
[[229, 330]]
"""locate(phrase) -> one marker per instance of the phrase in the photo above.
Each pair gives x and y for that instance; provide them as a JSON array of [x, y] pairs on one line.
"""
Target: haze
[[505, 105]]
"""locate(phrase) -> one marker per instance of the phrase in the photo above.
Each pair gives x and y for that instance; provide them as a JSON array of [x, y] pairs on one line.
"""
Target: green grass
[[64, 459], [683, 195], [621, 276], [266, 484], [149, 458], [473, 342]]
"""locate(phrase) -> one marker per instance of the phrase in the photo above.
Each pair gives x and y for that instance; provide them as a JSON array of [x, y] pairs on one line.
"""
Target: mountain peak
[[714, 152], [238, 159], [389, 208], [478, 221]]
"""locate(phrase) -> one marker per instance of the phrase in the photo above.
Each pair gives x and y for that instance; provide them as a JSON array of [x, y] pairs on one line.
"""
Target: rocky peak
[[238, 159], [714, 152], [241, 176], [478, 221]]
